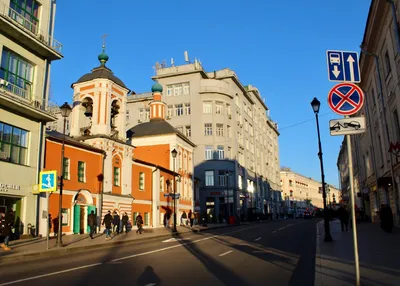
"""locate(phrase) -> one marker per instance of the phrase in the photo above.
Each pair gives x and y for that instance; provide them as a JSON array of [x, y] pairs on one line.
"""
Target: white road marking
[[257, 239], [281, 228], [122, 258], [274, 231], [175, 239], [50, 274], [289, 225], [150, 284], [225, 253]]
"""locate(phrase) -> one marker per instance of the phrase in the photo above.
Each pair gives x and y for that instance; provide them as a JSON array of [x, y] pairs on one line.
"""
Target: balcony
[[215, 86], [29, 35], [22, 101]]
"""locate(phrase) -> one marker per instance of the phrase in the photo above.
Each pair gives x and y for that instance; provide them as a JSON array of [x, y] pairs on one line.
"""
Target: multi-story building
[[375, 160], [236, 158], [303, 192], [27, 49]]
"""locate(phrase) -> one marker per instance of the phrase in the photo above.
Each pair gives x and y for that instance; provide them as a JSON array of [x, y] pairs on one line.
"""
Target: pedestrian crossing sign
[[48, 181]]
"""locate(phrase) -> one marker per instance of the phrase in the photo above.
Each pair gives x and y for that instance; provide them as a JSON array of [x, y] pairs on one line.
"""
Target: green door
[[89, 210], [77, 219]]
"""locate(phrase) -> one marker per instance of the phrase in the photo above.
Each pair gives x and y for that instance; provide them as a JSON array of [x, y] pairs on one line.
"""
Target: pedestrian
[[6, 223], [343, 217], [56, 226], [116, 222], [184, 218], [125, 220], [50, 221], [92, 223], [191, 217], [107, 220], [139, 223], [386, 218]]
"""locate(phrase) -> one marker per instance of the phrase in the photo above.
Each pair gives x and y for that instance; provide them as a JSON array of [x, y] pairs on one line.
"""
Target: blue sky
[[277, 46]]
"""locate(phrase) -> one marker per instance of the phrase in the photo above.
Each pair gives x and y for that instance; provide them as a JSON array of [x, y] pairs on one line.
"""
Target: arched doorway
[[83, 205]]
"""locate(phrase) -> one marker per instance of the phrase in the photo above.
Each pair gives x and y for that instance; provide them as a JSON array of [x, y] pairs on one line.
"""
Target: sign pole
[[48, 219], [353, 215]]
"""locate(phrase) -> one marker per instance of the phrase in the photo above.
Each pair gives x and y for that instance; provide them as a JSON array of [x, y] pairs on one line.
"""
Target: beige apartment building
[[237, 153], [376, 152], [27, 49], [302, 192]]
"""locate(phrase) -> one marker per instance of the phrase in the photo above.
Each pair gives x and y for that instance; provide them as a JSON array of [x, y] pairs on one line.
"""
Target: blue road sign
[[343, 66], [48, 181]]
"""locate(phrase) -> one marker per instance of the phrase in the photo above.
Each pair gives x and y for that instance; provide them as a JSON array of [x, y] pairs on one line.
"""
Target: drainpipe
[[396, 26], [152, 195], [101, 193]]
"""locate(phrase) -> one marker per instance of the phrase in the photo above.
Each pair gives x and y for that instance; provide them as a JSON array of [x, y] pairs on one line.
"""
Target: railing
[[8, 12], [16, 90]]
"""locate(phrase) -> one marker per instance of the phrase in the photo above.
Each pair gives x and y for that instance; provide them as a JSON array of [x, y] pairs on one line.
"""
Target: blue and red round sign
[[346, 98]]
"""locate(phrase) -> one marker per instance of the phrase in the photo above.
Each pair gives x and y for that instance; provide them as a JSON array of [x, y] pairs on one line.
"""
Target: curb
[[64, 251], [318, 259]]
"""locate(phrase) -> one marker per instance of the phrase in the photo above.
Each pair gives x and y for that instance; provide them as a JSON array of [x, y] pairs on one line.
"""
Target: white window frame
[[188, 131], [209, 178], [208, 129], [219, 108], [208, 152], [179, 109], [207, 107], [220, 152], [187, 108]]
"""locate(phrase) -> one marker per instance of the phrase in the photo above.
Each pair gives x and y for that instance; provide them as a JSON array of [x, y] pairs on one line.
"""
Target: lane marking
[[257, 239], [50, 274], [281, 228], [123, 258], [274, 231], [150, 284], [225, 253], [175, 239], [289, 225]]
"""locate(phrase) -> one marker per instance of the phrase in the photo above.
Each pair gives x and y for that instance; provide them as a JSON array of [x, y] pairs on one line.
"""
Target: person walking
[[6, 223], [107, 220], [125, 220], [343, 217], [92, 223], [50, 220], [184, 218], [55, 226], [139, 223], [191, 217]]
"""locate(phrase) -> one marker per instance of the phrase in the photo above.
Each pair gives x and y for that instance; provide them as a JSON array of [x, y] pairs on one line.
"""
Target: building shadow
[[148, 277]]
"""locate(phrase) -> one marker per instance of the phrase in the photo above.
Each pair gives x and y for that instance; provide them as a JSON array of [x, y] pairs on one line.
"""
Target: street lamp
[[174, 153], [65, 112], [315, 106]]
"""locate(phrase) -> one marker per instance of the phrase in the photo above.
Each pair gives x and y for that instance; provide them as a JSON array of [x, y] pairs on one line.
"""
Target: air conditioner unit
[[139, 121]]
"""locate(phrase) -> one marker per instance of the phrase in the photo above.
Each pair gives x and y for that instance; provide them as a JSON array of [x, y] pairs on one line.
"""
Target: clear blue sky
[[277, 46]]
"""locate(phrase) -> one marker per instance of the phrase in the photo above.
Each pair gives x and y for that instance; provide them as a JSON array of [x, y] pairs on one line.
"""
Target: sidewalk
[[22, 249], [379, 256]]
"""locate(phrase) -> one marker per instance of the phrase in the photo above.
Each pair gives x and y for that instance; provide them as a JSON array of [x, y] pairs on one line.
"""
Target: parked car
[[307, 214]]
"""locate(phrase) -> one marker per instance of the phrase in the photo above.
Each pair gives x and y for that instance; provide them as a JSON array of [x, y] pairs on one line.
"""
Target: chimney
[[157, 107]]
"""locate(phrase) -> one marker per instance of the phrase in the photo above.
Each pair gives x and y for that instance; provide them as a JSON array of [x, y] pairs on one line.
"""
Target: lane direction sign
[[48, 181], [346, 98], [343, 66], [347, 126]]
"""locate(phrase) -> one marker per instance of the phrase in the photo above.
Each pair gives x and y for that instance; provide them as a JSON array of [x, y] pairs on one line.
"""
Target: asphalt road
[[271, 253]]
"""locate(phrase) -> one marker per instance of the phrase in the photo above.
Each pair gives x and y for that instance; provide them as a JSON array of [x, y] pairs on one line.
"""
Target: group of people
[[115, 224], [6, 225], [187, 218]]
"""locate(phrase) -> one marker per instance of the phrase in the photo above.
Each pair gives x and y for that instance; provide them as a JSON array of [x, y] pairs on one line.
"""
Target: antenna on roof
[[163, 64], [186, 56], [157, 65], [172, 62]]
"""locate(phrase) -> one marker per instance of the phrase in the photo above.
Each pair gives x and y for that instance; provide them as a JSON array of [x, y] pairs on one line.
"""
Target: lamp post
[[315, 105], [174, 153], [65, 112]]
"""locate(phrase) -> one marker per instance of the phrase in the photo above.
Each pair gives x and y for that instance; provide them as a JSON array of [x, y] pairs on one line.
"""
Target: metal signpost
[[48, 184], [347, 99]]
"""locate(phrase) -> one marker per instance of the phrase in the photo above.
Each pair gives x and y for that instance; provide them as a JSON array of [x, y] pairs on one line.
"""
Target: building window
[[66, 169], [29, 10], [147, 113], [162, 184], [387, 64], [220, 150], [177, 89], [169, 90], [141, 181], [170, 111], [222, 178], [396, 124], [209, 178], [117, 174], [188, 131], [81, 171], [127, 115], [180, 129], [229, 131], [240, 181], [220, 129], [219, 108], [178, 109], [141, 114], [228, 109], [208, 129], [186, 88], [251, 129], [13, 144], [187, 108], [207, 107], [208, 152], [146, 219], [18, 73]]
